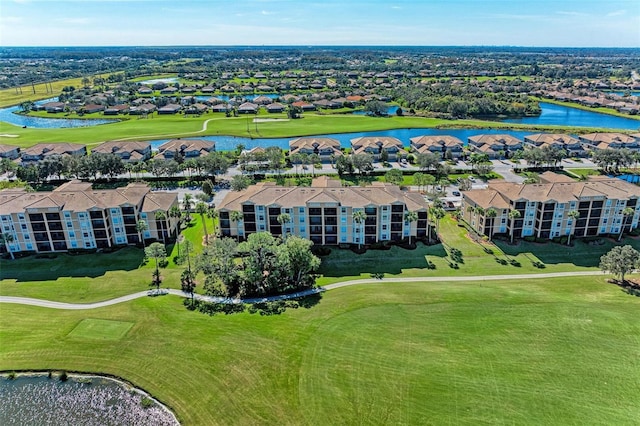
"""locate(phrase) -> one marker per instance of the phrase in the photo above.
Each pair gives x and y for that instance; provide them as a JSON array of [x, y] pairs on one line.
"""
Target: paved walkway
[[84, 306]]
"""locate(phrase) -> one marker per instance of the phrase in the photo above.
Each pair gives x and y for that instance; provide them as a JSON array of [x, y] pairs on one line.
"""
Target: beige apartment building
[[545, 207], [75, 216], [324, 212]]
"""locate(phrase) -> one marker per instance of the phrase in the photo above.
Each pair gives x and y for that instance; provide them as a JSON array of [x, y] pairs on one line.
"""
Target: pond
[[38, 400], [559, 115], [7, 115]]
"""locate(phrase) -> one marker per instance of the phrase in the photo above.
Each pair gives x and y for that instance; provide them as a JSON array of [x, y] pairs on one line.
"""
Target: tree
[[410, 217], [283, 219], [141, 227], [574, 215], [217, 262], [427, 161], [301, 262], [26, 106], [156, 251], [362, 162], [376, 108], [626, 214], [513, 215], [188, 282], [620, 260], [203, 210], [187, 204], [491, 213], [344, 165], [419, 180], [240, 182], [207, 188], [359, 216], [437, 213], [394, 176], [5, 240], [175, 213]]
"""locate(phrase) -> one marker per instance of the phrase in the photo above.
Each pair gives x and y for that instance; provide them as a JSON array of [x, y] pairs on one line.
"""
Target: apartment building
[[375, 145], [75, 216], [324, 212], [545, 207]]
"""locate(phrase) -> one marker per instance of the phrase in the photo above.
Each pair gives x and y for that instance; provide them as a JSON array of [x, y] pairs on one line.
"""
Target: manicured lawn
[[475, 258], [100, 329], [561, 351]]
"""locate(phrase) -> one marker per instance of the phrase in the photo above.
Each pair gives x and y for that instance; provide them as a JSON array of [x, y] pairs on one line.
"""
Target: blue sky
[[574, 23]]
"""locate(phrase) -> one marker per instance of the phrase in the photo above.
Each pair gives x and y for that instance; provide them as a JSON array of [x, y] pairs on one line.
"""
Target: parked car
[[456, 193]]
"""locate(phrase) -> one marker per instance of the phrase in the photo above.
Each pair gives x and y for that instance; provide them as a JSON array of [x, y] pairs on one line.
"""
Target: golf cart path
[[82, 306], [205, 125]]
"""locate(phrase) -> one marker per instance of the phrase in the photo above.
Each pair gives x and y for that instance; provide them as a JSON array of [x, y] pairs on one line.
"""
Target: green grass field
[[100, 329], [530, 352]]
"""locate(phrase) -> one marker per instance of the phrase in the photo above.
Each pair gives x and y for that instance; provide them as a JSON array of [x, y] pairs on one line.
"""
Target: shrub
[[146, 402], [63, 376], [11, 375], [321, 250]]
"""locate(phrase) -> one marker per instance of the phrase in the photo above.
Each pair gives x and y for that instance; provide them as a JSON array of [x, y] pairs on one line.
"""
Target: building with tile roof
[[129, 151], [188, 148], [75, 216], [324, 212], [439, 145], [375, 145], [326, 148], [544, 207]]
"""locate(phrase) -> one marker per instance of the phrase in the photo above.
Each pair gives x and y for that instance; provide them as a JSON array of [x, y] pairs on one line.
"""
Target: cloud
[[396, 7], [266, 12], [569, 13], [11, 19], [617, 13], [75, 21]]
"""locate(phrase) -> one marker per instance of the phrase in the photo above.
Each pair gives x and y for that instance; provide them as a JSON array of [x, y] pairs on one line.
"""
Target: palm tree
[[5, 240], [626, 213], [141, 227], [187, 203], [236, 216], [202, 209], [283, 219], [175, 213], [513, 215], [156, 251], [437, 213], [410, 217], [359, 216], [573, 215], [491, 213], [161, 217]]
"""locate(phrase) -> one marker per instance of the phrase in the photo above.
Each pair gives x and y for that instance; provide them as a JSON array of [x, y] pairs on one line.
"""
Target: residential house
[[74, 216], [304, 106], [169, 90], [9, 151], [41, 151], [324, 212], [571, 145], [326, 148], [144, 90], [495, 146], [262, 100], [221, 108], [544, 207], [248, 108], [142, 109], [117, 109], [442, 145], [170, 109], [275, 107], [376, 145], [609, 141], [53, 107], [92, 108], [129, 151], [188, 148]]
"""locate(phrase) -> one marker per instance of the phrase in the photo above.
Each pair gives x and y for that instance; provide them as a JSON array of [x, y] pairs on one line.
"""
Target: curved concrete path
[[82, 306]]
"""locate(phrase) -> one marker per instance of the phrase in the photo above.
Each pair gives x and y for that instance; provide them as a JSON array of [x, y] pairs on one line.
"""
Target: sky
[[553, 23]]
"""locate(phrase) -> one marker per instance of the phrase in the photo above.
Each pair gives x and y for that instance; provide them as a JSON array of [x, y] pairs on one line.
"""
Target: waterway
[[557, 115], [37, 400], [560, 115]]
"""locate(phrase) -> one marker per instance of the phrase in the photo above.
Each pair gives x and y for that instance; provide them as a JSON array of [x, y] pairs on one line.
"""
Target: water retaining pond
[[85, 400]]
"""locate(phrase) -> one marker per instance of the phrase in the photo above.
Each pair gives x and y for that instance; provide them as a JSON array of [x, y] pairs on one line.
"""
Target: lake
[[552, 114], [37, 400]]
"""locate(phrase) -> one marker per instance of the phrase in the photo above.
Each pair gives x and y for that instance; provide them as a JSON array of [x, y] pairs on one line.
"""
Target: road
[[86, 306]]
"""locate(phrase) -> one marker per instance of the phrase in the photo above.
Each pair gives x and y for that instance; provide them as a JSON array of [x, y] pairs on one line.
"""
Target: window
[[23, 226], [72, 234], [69, 224], [67, 214], [343, 229], [27, 237], [301, 210], [117, 229], [260, 208], [384, 227], [20, 216], [261, 217], [344, 210], [143, 215]]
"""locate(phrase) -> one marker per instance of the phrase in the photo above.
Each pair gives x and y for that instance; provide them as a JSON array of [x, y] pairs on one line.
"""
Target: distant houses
[[129, 151]]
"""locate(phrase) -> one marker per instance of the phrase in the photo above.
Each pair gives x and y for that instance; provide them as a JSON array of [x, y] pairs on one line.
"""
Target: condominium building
[[376, 145], [324, 212], [545, 208], [75, 216]]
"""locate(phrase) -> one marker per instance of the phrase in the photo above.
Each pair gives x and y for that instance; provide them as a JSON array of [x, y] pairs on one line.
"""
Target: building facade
[[545, 208], [75, 216], [324, 212]]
